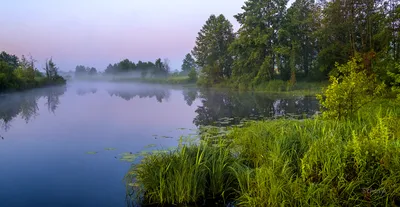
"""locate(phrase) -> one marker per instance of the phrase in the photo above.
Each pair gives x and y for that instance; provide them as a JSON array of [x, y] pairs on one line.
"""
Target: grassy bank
[[277, 86], [312, 162]]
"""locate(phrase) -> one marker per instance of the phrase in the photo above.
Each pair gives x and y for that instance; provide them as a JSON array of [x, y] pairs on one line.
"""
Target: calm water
[[46, 135]]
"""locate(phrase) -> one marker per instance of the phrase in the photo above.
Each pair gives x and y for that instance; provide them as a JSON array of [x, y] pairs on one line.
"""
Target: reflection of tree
[[220, 104], [85, 91], [25, 104], [159, 93], [190, 94]]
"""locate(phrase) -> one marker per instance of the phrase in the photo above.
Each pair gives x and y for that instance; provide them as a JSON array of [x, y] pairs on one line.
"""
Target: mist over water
[[46, 134]]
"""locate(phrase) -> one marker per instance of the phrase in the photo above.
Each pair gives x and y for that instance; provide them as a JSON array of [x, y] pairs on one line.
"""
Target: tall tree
[[211, 50], [298, 35], [51, 69], [254, 48], [188, 63]]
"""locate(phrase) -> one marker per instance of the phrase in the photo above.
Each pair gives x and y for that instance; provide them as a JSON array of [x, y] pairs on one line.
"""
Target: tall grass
[[276, 86], [190, 174], [310, 162]]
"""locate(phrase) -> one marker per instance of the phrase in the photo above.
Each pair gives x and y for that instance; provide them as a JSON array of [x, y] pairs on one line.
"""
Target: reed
[[312, 162]]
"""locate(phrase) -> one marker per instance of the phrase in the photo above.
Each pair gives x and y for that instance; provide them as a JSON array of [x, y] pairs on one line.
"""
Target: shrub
[[349, 91]]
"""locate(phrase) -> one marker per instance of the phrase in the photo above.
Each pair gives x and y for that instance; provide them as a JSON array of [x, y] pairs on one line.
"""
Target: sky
[[98, 32]]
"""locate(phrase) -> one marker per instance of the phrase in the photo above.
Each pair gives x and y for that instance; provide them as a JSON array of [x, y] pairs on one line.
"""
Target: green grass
[[278, 87], [312, 162]]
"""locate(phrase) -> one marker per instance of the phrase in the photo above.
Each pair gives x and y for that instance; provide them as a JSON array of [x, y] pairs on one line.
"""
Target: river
[[61, 146]]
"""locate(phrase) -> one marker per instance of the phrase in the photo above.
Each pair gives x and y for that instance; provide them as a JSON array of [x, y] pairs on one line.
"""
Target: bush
[[349, 91]]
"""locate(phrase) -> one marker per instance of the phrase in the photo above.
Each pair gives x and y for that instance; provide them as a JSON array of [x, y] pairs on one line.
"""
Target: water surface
[[46, 135]]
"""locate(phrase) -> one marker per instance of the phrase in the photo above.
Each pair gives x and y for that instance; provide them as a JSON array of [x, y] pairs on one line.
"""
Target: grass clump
[[312, 162], [188, 175]]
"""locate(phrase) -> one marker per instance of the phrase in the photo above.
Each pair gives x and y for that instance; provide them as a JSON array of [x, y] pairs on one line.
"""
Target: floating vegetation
[[154, 135], [144, 153], [129, 157], [150, 146], [110, 149], [181, 128], [91, 153], [166, 137]]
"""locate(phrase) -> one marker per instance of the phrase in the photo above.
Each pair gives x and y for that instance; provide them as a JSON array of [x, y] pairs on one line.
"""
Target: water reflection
[[25, 104], [84, 91], [161, 94], [219, 104], [190, 95]]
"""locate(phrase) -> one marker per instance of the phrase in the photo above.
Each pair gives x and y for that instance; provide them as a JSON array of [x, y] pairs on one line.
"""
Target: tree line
[[302, 42], [21, 73], [147, 69]]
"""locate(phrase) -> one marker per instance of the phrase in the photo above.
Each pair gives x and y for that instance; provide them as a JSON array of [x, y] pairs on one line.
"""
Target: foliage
[[282, 162], [188, 64], [20, 74], [211, 50], [158, 68], [302, 42], [192, 75], [396, 81], [81, 70], [350, 90]]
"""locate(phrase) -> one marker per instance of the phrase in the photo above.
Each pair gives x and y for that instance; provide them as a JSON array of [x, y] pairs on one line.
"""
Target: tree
[[211, 50], [11, 60], [193, 75], [299, 27], [188, 64], [166, 67], [80, 70], [255, 57], [92, 71], [51, 69]]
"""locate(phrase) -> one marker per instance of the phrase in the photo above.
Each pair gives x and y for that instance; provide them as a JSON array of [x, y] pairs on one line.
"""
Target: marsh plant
[[312, 162]]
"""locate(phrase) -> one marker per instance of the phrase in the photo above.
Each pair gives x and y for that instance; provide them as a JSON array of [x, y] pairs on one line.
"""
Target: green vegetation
[[349, 156], [146, 69], [20, 74], [298, 44], [313, 162]]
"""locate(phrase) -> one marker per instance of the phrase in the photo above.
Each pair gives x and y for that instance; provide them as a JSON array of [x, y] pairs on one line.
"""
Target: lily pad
[[150, 146], [129, 157], [91, 153], [110, 148]]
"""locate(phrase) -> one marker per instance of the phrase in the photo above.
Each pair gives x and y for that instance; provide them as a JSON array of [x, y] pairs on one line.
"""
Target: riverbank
[[311, 162], [279, 87], [38, 82], [275, 86]]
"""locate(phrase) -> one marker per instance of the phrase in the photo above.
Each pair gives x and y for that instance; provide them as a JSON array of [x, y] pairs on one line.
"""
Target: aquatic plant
[[311, 162]]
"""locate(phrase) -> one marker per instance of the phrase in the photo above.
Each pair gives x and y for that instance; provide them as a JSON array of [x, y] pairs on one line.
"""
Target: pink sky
[[95, 33]]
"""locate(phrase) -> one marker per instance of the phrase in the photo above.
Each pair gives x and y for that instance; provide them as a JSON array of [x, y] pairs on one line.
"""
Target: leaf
[[109, 149], [91, 153]]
